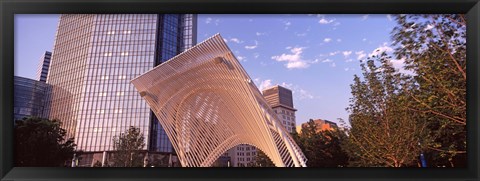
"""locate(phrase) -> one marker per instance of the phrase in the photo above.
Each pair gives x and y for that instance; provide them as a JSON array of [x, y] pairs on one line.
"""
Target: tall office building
[[43, 66], [280, 100], [94, 58], [30, 98]]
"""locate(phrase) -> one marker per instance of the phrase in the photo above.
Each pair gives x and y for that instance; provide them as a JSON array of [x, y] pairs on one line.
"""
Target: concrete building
[[280, 100], [43, 66], [30, 98], [94, 58]]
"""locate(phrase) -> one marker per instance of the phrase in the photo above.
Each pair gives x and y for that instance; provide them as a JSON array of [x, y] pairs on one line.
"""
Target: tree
[[128, 148], [434, 49], [384, 132], [261, 160], [41, 143], [322, 148]]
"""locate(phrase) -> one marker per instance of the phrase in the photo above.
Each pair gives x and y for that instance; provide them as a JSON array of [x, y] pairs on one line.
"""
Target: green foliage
[[434, 48], [322, 148], [41, 143], [384, 132], [261, 160], [128, 148]]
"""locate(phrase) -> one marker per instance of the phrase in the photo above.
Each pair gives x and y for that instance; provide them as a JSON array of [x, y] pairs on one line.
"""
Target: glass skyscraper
[[94, 58]]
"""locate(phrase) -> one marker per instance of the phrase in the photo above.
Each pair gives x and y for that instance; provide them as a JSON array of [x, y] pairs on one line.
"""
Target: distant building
[[280, 100], [30, 98], [322, 125], [43, 66]]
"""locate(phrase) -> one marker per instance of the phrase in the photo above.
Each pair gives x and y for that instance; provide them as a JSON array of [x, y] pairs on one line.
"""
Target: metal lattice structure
[[207, 104]]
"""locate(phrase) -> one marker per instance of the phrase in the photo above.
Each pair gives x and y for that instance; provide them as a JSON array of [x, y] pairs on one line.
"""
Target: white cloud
[[256, 55], [346, 69], [339, 40], [252, 46], [360, 55], [208, 20], [323, 20], [333, 64], [346, 53], [380, 50], [389, 17], [326, 40], [326, 60], [242, 58], [265, 84], [298, 92], [260, 34], [336, 24], [225, 40], [236, 40], [287, 24], [294, 60], [334, 53], [364, 17], [364, 39], [349, 60], [399, 66]]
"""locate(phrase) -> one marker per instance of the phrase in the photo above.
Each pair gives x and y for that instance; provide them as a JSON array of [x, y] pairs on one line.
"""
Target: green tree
[[261, 160], [434, 49], [384, 132], [322, 148], [128, 148], [41, 143]]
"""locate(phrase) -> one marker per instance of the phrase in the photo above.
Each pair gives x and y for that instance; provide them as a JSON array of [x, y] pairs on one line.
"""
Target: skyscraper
[[43, 66], [94, 58]]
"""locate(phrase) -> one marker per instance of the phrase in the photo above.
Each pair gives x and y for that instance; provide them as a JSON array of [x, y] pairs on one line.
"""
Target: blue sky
[[314, 55]]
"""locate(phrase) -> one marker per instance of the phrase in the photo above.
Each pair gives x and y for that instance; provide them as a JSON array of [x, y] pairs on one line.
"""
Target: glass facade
[[30, 98], [177, 33], [94, 59]]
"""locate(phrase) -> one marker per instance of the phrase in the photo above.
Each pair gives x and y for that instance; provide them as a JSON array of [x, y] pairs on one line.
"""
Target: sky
[[314, 55]]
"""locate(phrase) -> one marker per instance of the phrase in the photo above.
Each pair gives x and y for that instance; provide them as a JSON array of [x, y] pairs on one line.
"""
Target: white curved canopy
[[207, 104]]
